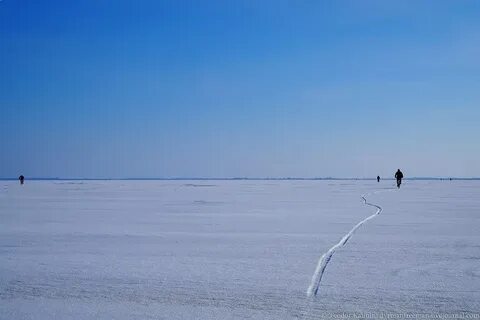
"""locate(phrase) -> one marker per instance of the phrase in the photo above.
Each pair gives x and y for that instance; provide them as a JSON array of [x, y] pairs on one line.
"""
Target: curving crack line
[[325, 258]]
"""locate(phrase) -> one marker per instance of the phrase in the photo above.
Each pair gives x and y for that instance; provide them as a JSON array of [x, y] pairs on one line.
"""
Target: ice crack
[[326, 257]]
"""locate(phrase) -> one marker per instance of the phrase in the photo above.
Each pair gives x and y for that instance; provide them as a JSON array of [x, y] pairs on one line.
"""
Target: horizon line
[[235, 178]]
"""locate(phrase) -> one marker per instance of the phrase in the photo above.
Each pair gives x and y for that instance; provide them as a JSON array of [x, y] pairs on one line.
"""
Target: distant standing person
[[399, 177], [378, 178], [22, 179]]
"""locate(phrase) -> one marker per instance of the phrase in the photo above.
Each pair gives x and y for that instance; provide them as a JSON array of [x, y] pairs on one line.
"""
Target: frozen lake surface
[[236, 249]]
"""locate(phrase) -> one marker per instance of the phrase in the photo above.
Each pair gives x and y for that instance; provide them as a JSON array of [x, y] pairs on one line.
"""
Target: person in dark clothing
[[22, 179], [378, 178], [399, 177]]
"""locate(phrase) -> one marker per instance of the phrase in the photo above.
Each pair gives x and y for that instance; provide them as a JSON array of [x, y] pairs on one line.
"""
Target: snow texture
[[236, 249]]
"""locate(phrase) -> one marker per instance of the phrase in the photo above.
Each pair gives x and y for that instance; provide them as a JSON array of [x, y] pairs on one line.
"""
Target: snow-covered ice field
[[236, 249]]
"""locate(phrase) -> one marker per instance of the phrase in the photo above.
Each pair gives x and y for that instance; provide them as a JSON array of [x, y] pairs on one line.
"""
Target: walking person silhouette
[[399, 177]]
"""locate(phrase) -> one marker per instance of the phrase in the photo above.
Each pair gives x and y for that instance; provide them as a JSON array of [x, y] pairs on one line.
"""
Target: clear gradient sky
[[113, 89]]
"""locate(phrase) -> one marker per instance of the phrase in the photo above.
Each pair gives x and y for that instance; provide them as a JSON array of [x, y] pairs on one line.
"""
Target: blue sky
[[104, 89]]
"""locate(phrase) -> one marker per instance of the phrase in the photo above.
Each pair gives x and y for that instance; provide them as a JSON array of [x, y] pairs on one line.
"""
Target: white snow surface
[[236, 249]]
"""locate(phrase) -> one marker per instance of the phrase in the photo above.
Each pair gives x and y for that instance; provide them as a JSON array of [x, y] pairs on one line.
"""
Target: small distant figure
[[378, 178], [22, 179], [399, 177]]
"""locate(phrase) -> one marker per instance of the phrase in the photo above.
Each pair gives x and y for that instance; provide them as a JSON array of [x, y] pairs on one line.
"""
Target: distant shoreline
[[238, 179]]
